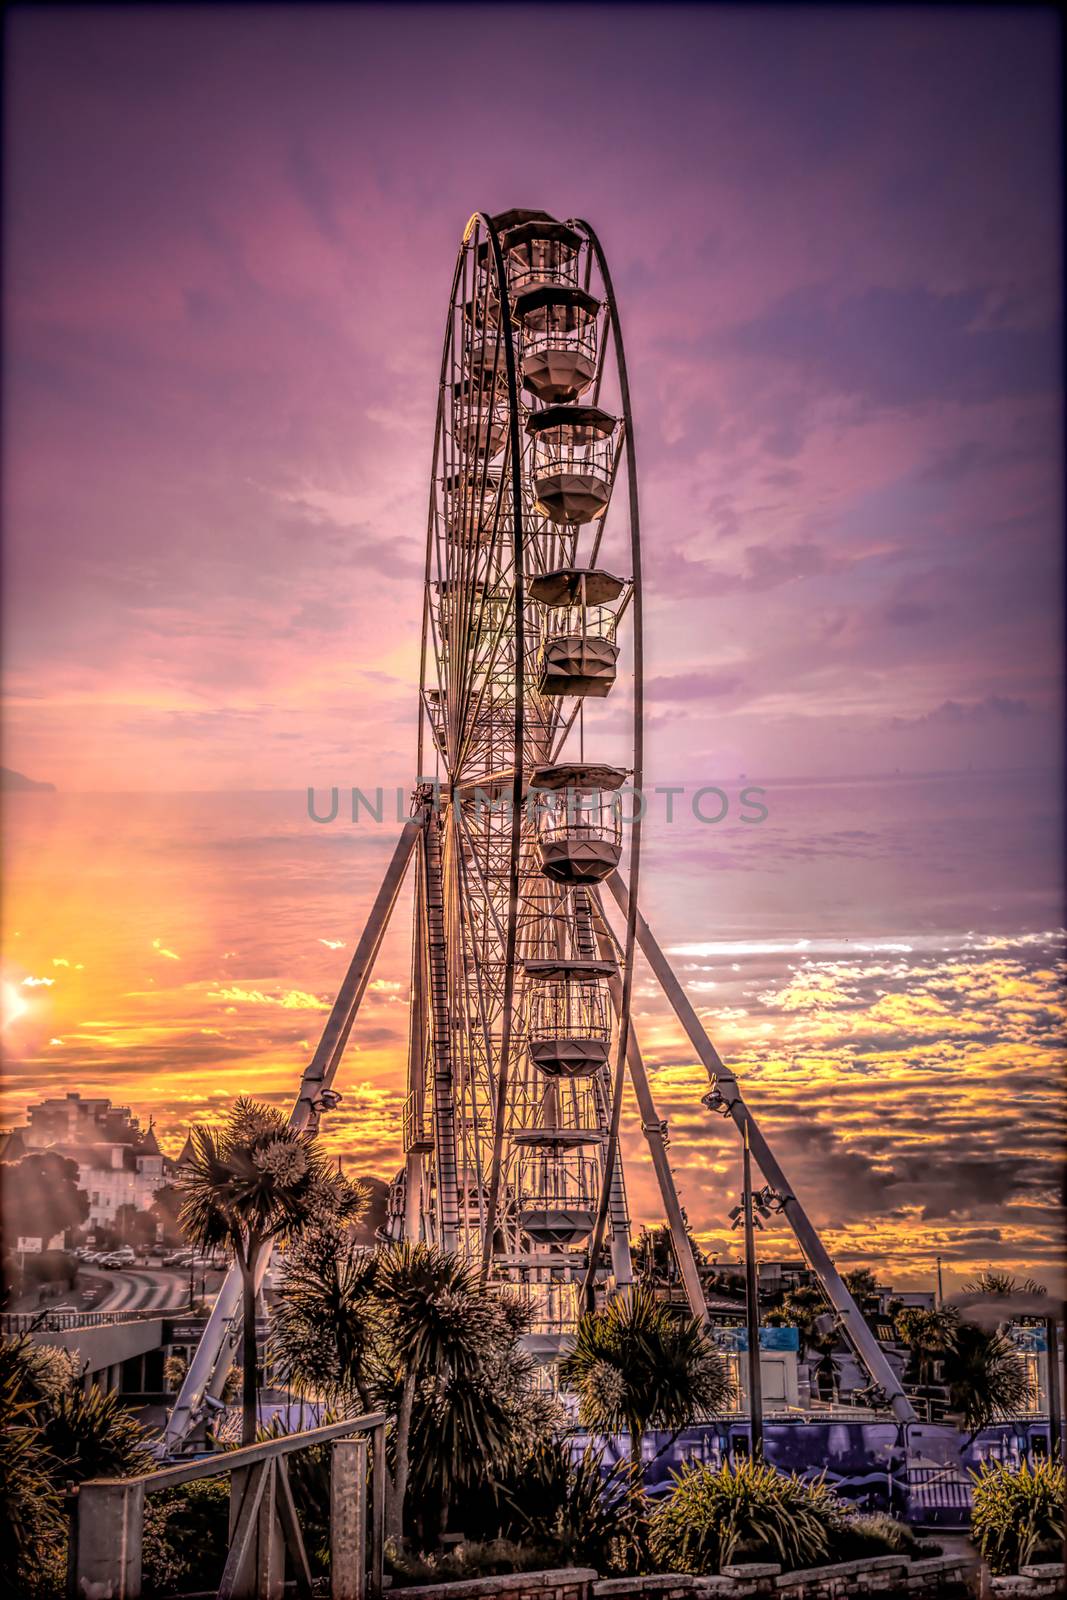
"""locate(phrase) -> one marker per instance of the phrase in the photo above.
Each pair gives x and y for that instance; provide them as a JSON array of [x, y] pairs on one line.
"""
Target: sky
[[836, 243]]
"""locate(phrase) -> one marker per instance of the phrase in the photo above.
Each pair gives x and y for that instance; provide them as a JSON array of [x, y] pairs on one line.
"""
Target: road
[[150, 1288]]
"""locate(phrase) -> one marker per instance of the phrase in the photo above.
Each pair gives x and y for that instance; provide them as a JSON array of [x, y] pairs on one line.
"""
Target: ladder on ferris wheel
[[446, 1164]]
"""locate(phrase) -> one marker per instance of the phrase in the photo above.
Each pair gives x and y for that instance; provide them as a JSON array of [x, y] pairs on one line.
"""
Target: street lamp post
[[755, 1391]]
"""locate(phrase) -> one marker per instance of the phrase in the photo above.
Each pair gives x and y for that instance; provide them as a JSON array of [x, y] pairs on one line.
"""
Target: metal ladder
[[441, 1035]]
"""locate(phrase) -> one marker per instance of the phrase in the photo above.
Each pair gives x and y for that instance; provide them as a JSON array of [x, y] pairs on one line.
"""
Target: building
[[119, 1163]]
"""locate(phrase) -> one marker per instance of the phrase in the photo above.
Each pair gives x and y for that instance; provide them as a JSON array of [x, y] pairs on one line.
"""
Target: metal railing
[[12, 1323], [107, 1518]]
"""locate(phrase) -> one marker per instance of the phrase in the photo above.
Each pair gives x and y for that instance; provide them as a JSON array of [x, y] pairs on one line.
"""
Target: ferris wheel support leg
[[853, 1325], [655, 1132], [214, 1354]]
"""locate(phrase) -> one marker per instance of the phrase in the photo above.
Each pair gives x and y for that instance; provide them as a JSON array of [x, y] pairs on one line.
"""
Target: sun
[[14, 1006]]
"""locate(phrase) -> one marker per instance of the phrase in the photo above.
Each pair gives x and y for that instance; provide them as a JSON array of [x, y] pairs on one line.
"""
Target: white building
[[118, 1163]]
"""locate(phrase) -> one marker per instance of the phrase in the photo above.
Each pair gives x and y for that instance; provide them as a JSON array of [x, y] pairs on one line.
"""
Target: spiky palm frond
[[439, 1318], [327, 1316], [1000, 1285], [257, 1178], [581, 1509], [987, 1377], [636, 1365], [30, 1498]]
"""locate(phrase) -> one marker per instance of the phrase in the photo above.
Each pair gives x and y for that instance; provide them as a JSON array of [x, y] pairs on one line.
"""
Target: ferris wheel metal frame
[[521, 1038]]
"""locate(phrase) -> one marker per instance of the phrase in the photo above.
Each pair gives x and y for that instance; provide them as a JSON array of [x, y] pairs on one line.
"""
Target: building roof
[[149, 1145], [12, 1145]]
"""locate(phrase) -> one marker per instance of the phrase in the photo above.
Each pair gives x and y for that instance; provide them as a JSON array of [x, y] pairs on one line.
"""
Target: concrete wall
[[882, 1575], [890, 1576], [107, 1347]]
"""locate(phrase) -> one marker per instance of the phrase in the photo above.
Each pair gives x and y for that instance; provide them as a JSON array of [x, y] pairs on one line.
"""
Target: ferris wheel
[[521, 1038], [511, 1130]]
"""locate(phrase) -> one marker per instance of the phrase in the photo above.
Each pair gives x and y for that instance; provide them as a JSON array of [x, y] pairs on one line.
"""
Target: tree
[[1002, 1285], [655, 1262], [166, 1209], [328, 1316], [411, 1331], [41, 1197], [930, 1335], [987, 1377], [439, 1321], [254, 1180], [52, 1433], [635, 1365], [804, 1308], [472, 1425], [861, 1285], [136, 1226]]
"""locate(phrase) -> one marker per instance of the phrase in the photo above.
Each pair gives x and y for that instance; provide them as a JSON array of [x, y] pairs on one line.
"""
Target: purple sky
[[835, 238]]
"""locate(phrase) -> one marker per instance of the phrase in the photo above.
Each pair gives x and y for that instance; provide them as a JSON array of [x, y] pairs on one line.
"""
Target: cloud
[[951, 713]]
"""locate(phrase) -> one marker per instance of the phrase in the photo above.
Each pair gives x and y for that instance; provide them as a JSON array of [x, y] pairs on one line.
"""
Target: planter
[[1042, 1581], [564, 1583], [890, 1575]]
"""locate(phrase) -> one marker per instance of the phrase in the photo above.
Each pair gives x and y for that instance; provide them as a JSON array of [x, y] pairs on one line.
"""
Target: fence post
[[108, 1525], [270, 1545], [348, 1519], [377, 1531]]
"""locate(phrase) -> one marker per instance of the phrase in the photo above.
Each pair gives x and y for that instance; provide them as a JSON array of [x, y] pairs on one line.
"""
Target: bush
[[49, 1266], [1017, 1516], [714, 1517], [872, 1533], [585, 1516], [186, 1533], [94, 1436], [31, 1502]]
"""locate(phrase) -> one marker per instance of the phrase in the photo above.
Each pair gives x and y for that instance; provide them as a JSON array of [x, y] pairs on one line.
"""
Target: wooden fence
[[107, 1519]]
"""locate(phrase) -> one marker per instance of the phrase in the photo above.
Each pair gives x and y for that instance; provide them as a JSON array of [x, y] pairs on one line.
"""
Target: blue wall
[[866, 1462]]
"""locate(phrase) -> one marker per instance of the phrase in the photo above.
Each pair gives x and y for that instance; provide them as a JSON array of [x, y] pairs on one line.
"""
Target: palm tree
[[438, 1324], [804, 1308], [328, 1316], [1001, 1285], [930, 1335], [636, 1366], [863, 1288], [987, 1377], [251, 1181]]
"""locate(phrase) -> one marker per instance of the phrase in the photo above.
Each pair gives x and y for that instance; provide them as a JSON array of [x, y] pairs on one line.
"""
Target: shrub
[[872, 1533], [585, 1515], [93, 1436], [716, 1516], [1017, 1515], [30, 1499], [185, 1537]]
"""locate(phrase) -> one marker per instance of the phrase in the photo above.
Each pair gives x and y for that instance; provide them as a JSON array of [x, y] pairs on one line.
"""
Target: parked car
[[115, 1260], [180, 1258]]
